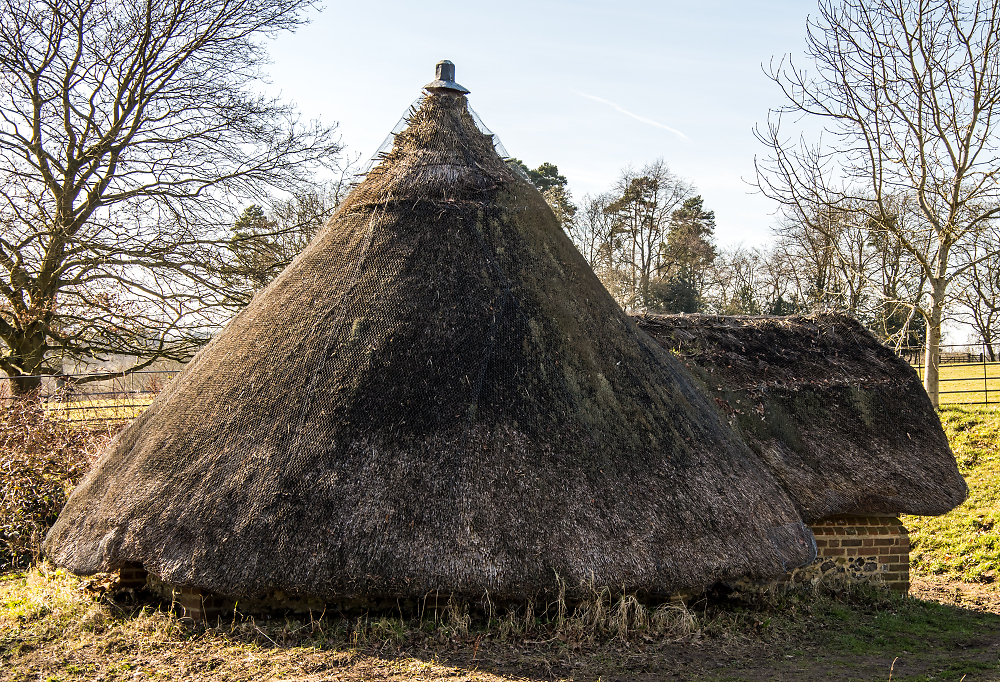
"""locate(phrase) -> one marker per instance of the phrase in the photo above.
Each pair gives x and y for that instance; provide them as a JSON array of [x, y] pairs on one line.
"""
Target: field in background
[[968, 383], [117, 398], [99, 409]]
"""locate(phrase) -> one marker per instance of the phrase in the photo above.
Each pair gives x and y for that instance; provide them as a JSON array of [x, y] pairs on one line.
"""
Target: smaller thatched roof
[[842, 422]]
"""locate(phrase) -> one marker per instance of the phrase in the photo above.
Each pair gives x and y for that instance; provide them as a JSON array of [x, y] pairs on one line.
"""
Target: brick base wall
[[191, 602], [859, 548], [132, 577]]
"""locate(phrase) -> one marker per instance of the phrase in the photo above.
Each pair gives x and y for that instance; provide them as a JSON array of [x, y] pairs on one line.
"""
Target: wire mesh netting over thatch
[[436, 395]]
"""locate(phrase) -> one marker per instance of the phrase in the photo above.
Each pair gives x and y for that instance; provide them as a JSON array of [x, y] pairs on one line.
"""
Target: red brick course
[[861, 548], [132, 577]]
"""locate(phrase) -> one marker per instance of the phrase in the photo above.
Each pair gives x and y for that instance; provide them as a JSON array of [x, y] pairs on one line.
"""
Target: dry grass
[[57, 628], [54, 626]]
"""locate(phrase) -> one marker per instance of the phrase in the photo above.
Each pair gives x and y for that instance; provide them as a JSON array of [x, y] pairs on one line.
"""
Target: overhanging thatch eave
[[837, 417]]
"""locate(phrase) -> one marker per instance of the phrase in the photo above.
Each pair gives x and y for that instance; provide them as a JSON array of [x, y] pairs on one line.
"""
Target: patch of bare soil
[[974, 596]]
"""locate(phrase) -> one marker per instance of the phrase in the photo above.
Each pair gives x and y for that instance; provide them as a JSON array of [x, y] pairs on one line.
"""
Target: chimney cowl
[[445, 78]]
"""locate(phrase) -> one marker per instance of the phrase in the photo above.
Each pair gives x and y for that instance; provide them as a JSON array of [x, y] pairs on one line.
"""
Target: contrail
[[629, 113]]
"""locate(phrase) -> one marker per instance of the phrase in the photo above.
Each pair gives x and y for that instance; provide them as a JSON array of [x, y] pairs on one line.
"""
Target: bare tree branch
[[130, 138], [909, 92]]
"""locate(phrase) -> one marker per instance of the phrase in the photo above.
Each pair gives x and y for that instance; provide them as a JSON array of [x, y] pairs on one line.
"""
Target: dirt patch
[[973, 596]]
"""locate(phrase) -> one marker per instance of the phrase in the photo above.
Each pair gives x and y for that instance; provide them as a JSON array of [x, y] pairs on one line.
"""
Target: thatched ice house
[[437, 396], [841, 422]]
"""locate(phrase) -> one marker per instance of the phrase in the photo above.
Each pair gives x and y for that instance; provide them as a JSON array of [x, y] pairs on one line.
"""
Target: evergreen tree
[[685, 257], [256, 257], [552, 185], [547, 176]]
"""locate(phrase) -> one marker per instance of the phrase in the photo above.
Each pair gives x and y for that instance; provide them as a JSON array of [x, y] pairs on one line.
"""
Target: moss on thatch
[[843, 423], [437, 395]]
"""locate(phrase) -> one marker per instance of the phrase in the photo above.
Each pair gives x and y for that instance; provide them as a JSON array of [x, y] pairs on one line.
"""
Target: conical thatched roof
[[437, 394], [841, 422]]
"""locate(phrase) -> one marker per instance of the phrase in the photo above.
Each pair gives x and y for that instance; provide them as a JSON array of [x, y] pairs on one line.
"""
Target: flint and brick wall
[[199, 605], [191, 602], [132, 577], [859, 548]]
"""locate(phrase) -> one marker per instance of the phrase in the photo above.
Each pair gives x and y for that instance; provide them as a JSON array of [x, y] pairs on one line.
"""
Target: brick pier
[[859, 548]]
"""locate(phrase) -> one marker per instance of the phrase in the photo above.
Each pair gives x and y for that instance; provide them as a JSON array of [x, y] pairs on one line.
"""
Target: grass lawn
[[964, 544]]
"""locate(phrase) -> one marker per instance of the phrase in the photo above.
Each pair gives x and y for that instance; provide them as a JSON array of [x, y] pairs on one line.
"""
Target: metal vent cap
[[445, 78]]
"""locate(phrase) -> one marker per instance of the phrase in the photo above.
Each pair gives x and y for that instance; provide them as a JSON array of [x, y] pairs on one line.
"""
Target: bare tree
[[753, 281], [809, 244], [594, 234], [129, 132], [838, 260], [898, 284], [979, 291], [734, 282], [909, 91]]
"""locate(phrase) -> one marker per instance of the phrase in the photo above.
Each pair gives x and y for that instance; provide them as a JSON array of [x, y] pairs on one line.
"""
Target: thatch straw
[[843, 423], [436, 395]]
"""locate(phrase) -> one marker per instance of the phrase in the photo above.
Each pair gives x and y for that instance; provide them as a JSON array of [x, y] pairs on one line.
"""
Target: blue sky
[[591, 86]]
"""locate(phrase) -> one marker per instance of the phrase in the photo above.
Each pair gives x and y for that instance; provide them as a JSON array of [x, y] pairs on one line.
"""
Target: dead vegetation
[[41, 461], [54, 626]]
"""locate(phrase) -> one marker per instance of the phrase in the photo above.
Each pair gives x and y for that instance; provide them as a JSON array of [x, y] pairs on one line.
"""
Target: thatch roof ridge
[[437, 394], [828, 348], [836, 416]]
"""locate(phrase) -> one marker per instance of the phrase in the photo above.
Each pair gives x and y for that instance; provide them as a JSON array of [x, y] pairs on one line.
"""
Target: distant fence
[[966, 373], [967, 377], [116, 397]]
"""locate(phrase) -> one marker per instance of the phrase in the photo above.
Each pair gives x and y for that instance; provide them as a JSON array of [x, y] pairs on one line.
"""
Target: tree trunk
[[24, 385], [644, 289], [988, 352], [932, 355], [24, 365]]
